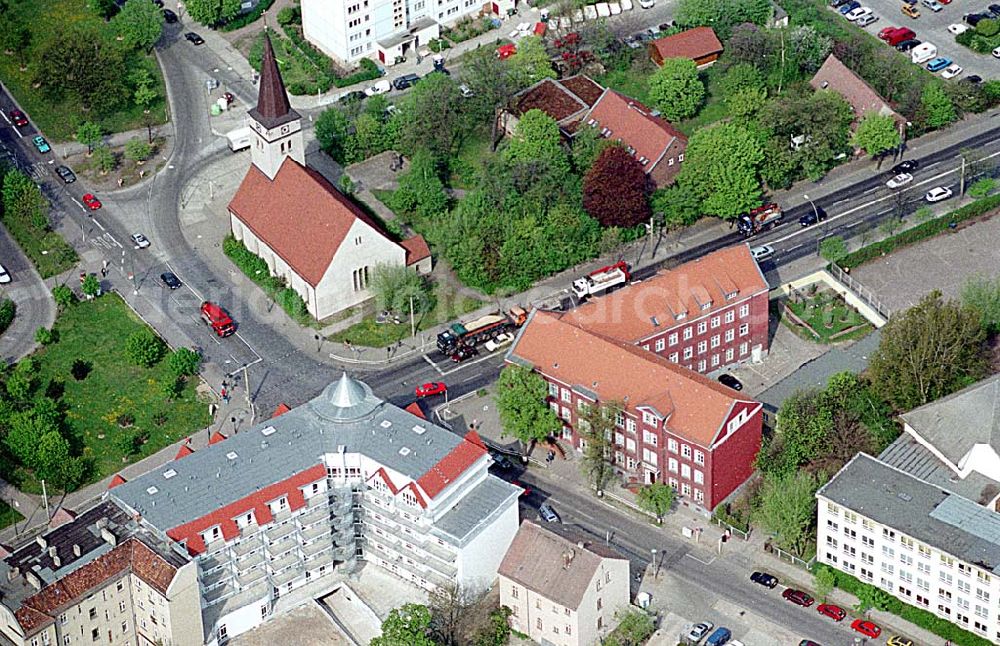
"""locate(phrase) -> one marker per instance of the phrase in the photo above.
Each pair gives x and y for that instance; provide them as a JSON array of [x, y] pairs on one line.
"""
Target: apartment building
[[281, 512], [387, 30], [704, 315], [561, 589], [677, 426], [100, 578]]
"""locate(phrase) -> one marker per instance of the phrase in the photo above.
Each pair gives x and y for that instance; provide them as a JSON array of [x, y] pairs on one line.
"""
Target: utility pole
[[413, 323], [45, 501], [961, 182], [246, 385]]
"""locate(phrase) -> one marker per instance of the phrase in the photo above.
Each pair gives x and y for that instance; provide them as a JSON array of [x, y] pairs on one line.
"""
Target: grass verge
[[8, 515], [256, 269], [827, 318], [47, 250]]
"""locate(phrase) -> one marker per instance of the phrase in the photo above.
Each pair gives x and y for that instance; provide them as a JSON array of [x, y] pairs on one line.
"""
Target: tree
[[722, 15], [657, 498], [370, 138], [89, 134], [452, 609], [871, 597], [15, 37], [55, 464], [983, 296], [63, 296], [824, 580], [397, 287], [79, 60], [493, 84], [596, 424], [144, 96], [937, 109], [678, 207], [103, 8], [432, 117], [139, 24], [803, 432], [929, 351], [809, 48], [537, 139], [616, 190], [332, 132], [184, 362], [720, 167], [676, 90], [787, 508], [25, 430], [144, 348], [877, 134], [497, 630], [212, 12], [531, 62], [752, 45], [105, 159], [136, 149], [588, 144], [521, 395], [833, 248], [634, 627], [45, 336], [91, 286], [819, 121], [406, 626], [23, 200], [421, 191]]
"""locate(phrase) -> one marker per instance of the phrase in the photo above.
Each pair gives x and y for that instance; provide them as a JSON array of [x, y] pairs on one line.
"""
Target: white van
[[923, 53], [239, 139]]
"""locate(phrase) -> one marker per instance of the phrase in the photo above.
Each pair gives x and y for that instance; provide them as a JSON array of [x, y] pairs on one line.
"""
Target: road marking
[[884, 211], [871, 190], [432, 364], [5, 118], [793, 248], [854, 224], [708, 562], [99, 225]]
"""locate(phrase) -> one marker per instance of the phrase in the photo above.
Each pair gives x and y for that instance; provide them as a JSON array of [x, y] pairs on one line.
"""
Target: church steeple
[[277, 127]]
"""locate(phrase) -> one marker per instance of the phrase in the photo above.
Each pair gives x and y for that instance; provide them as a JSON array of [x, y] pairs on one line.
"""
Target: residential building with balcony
[[99, 578], [677, 426], [562, 589], [284, 510]]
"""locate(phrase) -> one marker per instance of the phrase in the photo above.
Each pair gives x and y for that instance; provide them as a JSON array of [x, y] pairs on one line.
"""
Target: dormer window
[[680, 316], [706, 305]]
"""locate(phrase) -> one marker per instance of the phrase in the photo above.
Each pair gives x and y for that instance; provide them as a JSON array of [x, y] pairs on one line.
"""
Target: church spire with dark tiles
[[273, 108]]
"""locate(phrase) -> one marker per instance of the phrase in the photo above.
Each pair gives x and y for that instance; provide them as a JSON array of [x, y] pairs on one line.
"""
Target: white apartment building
[[280, 513], [386, 29], [925, 545]]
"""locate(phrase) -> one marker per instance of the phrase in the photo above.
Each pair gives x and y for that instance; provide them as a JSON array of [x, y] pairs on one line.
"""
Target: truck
[[898, 36], [218, 319], [480, 330], [239, 139], [602, 280], [763, 217]]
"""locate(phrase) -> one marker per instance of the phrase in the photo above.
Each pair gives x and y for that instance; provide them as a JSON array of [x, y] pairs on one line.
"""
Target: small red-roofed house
[[699, 44]]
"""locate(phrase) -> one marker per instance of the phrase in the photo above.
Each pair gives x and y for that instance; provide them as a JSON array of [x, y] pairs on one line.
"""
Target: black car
[[731, 381], [170, 280], [907, 166], [836, 4], [812, 217], [907, 45], [975, 18], [194, 38], [764, 579], [169, 16], [975, 79], [462, 353], [66, 174], [405, 81], [501, 462], [995, 9]]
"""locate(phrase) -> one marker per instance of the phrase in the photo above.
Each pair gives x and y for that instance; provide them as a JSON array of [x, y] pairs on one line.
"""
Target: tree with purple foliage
[[616, 190]]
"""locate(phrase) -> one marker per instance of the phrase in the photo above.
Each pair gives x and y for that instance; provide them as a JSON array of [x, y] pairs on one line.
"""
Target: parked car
[[720, 637], [698, 631], [194, 38], [857, 13], [463, 352], [762, 252], [899, 180], [808, 642], [525, 489], [897, 640], [995, 9], [996, 53], [169, 16], [91, 202], [647, 4], [885, 32], [170, 280], [764, 579], [972, 78], [498, 342], [951, 71], [501, 461], [910, 10], [957, 28], [838, 3], [466, 91], [975, 18], [833, 612], [351, 97], [938, 64], [214, 316], [730, 381], [68, 177], [547, 513], [849, 7], [18, 118], [379, 88], [938, 193], [4, 276], [907, 45], [40, 143], [866, 628], [905, 166], [431, 388], [405, 81], [863, 21], [933, 5], [140, 241], [798, 597]]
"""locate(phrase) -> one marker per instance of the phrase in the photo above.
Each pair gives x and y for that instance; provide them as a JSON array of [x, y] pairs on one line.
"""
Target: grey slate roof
[[346, 414], [954, 424], [909, 455], [461, 521], [923, 511]]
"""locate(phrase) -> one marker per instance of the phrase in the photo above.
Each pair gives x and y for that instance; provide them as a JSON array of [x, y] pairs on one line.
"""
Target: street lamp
[[653, 562], [815, 210]]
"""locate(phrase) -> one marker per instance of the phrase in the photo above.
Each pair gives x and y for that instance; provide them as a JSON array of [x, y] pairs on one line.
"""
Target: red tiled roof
[[628, 314], [634, 124], [280, 410], [384, 477], [620, 371], [299, 215], [217, 437], [41, 608], [184, 451], [117, 480], [473, 436], [694, 44], [450, 467], [224, 516], [414, 409], [416, 249], [837, 77]]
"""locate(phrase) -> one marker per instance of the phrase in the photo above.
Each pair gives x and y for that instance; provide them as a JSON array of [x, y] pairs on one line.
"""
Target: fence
[[735, 531], [392, 356], [859, 290], [788, 556]]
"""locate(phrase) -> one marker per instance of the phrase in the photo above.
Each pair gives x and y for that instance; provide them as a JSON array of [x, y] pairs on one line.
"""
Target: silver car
[[698, 631], [549, 514]]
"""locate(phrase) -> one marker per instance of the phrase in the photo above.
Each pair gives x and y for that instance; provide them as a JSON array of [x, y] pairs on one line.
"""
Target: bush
[[988, 27], [8, 309], [45, 336], [63, 296], [138, 150], [256, 270], [144, 348], [184, 362], [290, 15], [369, 71], [982, 187], [249, 17]]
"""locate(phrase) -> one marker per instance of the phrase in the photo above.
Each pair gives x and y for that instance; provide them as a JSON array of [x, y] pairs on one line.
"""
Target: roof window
[[152, 491], [169, 473], [268, 430], [404, 451], [232, 455], [385, 423], [419, 430]]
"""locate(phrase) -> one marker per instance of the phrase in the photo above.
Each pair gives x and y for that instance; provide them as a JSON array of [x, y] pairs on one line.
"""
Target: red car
[[866, 628], [798, 597], [833, 612], [526, 489], [18, 118], [91, 202], [432, 388]]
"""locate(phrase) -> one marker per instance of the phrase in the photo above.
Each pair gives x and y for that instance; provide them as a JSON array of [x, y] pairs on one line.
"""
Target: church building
[[309, 233]]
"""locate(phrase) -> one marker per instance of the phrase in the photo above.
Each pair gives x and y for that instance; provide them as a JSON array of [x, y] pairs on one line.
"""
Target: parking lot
[[932, 27]]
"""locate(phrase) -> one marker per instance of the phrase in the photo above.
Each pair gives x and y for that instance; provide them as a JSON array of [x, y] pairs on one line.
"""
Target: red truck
[[895, 36], [763, 217], [218, 319]]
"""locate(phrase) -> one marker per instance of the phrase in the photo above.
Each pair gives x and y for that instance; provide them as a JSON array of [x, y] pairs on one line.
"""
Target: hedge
[[369, 69], [8, 309], [256, 270], [247, 18], [920, 232], [923, 618]]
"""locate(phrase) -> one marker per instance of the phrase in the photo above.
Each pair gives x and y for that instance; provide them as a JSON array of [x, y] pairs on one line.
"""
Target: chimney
[[42, 543], [13, 573], [568, 558], [108, 537], [56, 561], [76, 550], [33, 579]]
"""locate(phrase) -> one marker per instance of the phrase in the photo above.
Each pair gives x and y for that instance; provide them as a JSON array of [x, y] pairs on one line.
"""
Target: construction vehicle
[[759, 219], [480, 330], [602, 280]]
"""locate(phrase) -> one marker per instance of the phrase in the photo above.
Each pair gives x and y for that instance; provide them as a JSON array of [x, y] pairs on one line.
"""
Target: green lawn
[[713, 110], [464, 165], [8, 515], [58, 120], [95, 331], [448, 307], [48, 251], [827, 315]]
